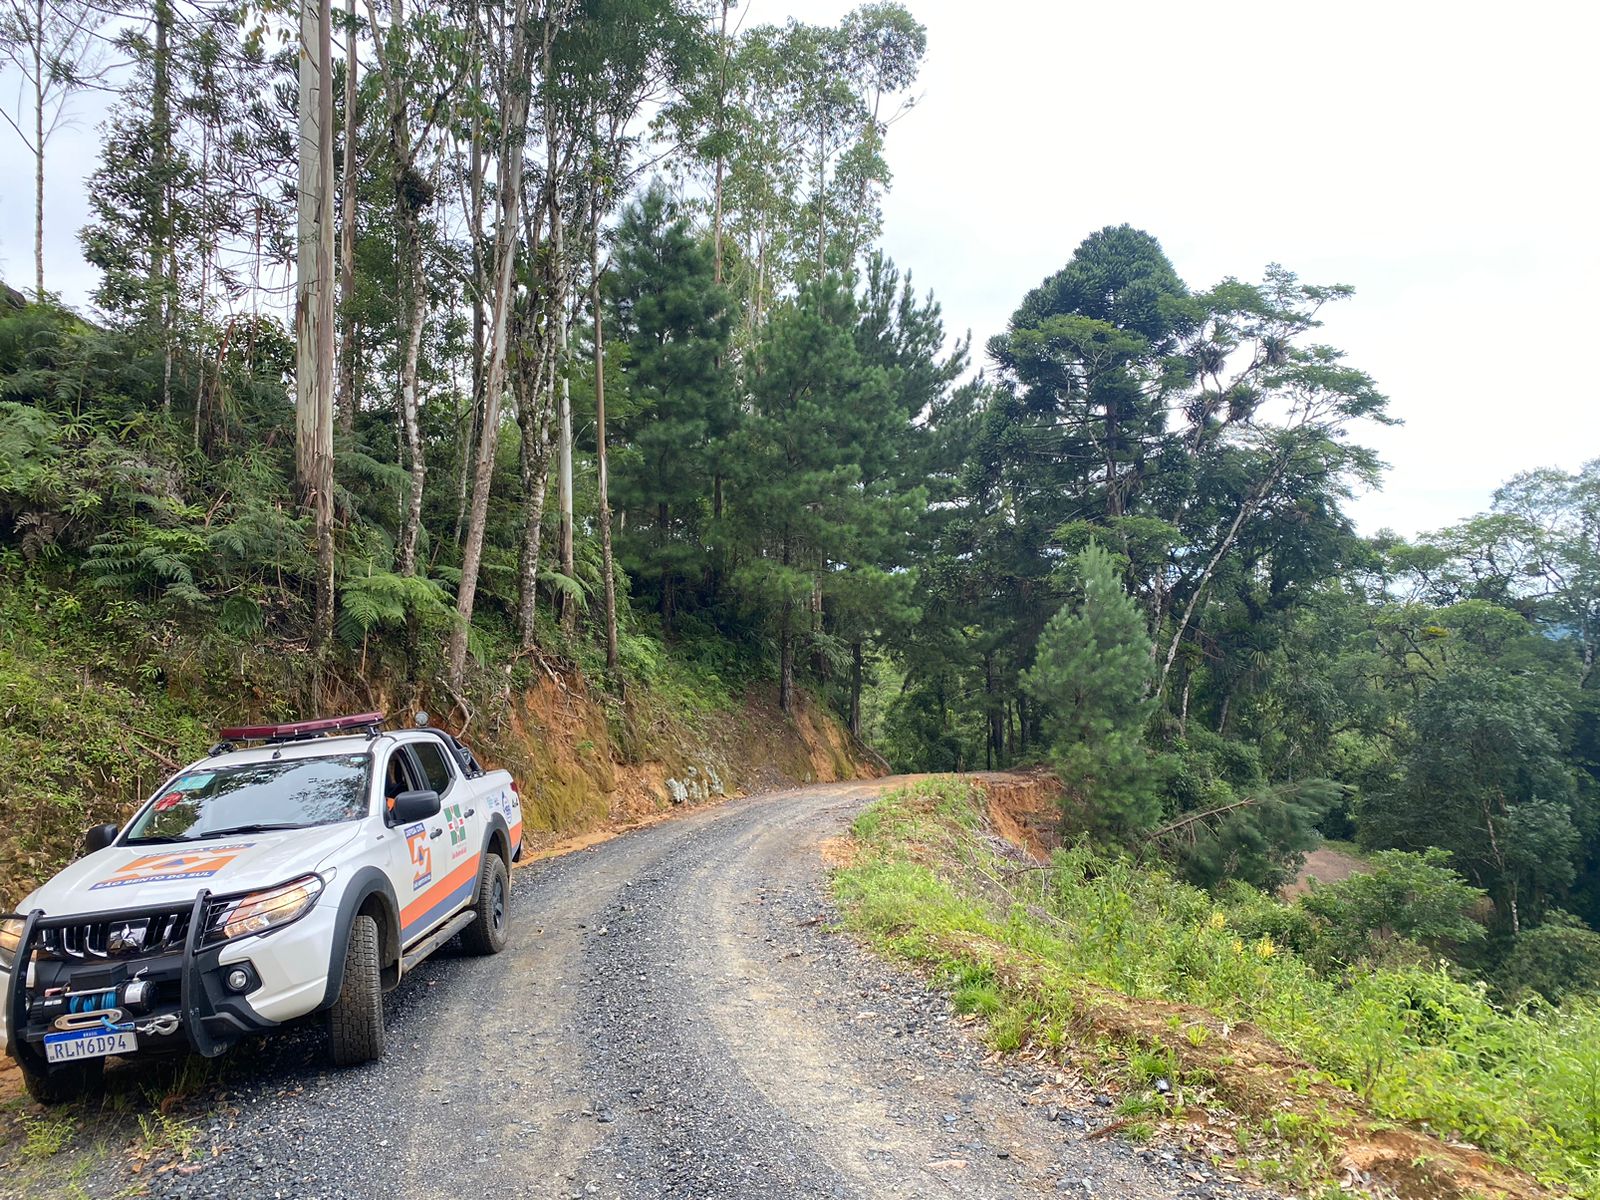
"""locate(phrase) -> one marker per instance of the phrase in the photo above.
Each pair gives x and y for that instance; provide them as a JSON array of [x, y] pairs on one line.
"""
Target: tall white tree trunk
[[600, 452], [722, 106], [163, 277], [569, 611], [348, 401], [411, 418], [314, 298], [38, 151], [514, 100]]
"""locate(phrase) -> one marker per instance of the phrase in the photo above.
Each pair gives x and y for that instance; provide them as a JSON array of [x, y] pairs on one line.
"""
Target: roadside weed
[[45, 1137], [1138, 1106], [980, 997], [164, 1134]]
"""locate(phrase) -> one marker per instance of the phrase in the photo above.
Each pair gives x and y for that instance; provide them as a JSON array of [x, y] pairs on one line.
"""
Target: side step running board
[[436, 939]]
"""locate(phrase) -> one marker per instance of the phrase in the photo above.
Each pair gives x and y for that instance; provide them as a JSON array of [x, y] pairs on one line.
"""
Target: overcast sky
[[1439, 157]]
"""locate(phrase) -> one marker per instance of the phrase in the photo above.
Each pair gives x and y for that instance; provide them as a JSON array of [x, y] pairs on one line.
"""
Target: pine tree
[[804, 509], [1092, 676], [670, 325]]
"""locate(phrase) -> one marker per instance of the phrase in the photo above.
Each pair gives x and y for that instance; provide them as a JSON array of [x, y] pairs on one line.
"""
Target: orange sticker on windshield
[[181, 864]]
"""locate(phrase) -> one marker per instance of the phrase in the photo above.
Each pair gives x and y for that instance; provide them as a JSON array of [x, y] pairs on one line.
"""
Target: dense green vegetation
[[1044, 954], [160, 553]]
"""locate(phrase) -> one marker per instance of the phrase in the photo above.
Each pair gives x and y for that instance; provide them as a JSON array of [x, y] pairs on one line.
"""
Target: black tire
[[355, 1022], [487, 935], [64, 1084]]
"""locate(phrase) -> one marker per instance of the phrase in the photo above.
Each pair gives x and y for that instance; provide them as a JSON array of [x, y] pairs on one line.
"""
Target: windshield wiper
[[208, 835], [257, 828]]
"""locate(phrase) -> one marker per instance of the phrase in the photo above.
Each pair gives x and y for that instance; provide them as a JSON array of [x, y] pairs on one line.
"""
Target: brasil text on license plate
[[89, 1043]]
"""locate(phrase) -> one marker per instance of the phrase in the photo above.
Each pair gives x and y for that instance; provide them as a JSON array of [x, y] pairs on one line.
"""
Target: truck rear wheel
[[355, 1022], [487, 935], [64, 1084]]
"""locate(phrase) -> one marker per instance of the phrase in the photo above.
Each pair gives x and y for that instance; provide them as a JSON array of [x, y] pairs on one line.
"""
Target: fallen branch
[[1204, 815], [462, 706], [170, 764]]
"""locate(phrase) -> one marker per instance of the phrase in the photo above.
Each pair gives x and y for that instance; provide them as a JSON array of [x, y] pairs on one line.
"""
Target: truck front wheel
[[355, 1022]]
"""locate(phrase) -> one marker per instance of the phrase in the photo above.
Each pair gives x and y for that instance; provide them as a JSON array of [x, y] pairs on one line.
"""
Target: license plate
[[89, 1043]]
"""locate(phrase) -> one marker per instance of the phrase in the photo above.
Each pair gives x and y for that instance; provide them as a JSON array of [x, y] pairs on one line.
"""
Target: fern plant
[[382, 600]]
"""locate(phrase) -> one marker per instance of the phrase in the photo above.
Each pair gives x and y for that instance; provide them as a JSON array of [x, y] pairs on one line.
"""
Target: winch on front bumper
[[150, 971]]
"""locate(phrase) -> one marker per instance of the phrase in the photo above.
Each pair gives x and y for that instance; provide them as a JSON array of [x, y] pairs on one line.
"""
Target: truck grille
[[116, 937]]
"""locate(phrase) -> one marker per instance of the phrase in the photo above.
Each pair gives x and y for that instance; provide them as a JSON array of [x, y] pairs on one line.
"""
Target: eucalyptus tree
[[314, 294], [604, 63], [58, 48], [508, 59], [784, 127], [876, 51], [191, 203], [427, 57], [132, 234], [348, 400]]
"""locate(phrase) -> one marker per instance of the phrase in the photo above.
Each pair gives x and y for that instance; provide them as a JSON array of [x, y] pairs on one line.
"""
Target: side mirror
[[415, 806], [100, 837]]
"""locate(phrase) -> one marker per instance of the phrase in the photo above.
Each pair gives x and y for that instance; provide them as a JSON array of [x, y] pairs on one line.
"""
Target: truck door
[[413, 850], [457, 853]]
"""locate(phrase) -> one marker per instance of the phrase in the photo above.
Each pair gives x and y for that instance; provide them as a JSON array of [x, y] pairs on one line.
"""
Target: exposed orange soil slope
[[585, 769]]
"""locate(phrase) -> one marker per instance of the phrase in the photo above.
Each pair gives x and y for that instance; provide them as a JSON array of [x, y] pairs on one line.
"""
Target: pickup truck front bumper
[[172, 987]]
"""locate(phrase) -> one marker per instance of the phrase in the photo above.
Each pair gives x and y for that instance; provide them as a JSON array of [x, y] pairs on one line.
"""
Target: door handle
[[433, 833], [469, 812]]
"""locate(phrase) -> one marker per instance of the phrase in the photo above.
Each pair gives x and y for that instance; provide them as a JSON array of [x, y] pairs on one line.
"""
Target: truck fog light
[[238, 979]]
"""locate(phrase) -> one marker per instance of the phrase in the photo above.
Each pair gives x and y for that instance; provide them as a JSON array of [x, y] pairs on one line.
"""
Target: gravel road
[[674, 1018]]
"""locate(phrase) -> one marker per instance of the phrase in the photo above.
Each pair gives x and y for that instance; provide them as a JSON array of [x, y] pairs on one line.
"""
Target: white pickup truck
[[305, 873]]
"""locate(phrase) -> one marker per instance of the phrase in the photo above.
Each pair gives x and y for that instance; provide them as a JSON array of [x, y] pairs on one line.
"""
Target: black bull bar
[[195, 1004]]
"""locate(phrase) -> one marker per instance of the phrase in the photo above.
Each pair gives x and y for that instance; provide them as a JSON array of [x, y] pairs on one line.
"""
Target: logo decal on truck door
[[421, 856], [457, 825]]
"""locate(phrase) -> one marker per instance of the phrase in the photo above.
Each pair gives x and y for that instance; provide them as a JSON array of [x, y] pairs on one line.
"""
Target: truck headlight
[[10, 939], [257, 912]]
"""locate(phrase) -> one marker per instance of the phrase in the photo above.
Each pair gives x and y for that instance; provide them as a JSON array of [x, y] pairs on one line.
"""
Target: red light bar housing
[[371, 721]]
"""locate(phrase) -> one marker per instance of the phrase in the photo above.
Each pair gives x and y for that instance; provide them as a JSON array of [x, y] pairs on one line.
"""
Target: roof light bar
[[302, 729]]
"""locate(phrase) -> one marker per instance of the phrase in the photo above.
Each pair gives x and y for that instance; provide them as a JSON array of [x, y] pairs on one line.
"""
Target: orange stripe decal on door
[[419, 907]]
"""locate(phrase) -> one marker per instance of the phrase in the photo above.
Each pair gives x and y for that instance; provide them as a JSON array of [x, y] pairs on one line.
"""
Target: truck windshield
[[290, 793]]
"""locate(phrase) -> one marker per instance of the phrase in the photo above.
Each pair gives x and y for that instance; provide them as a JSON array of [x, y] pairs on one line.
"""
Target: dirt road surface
[[675, 1017]]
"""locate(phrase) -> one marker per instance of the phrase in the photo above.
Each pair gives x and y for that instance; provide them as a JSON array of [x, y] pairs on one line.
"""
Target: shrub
[[1414, 897], [1557, 959]]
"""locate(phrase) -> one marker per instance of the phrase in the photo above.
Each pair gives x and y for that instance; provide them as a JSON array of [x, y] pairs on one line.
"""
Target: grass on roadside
[[1152, 978]]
